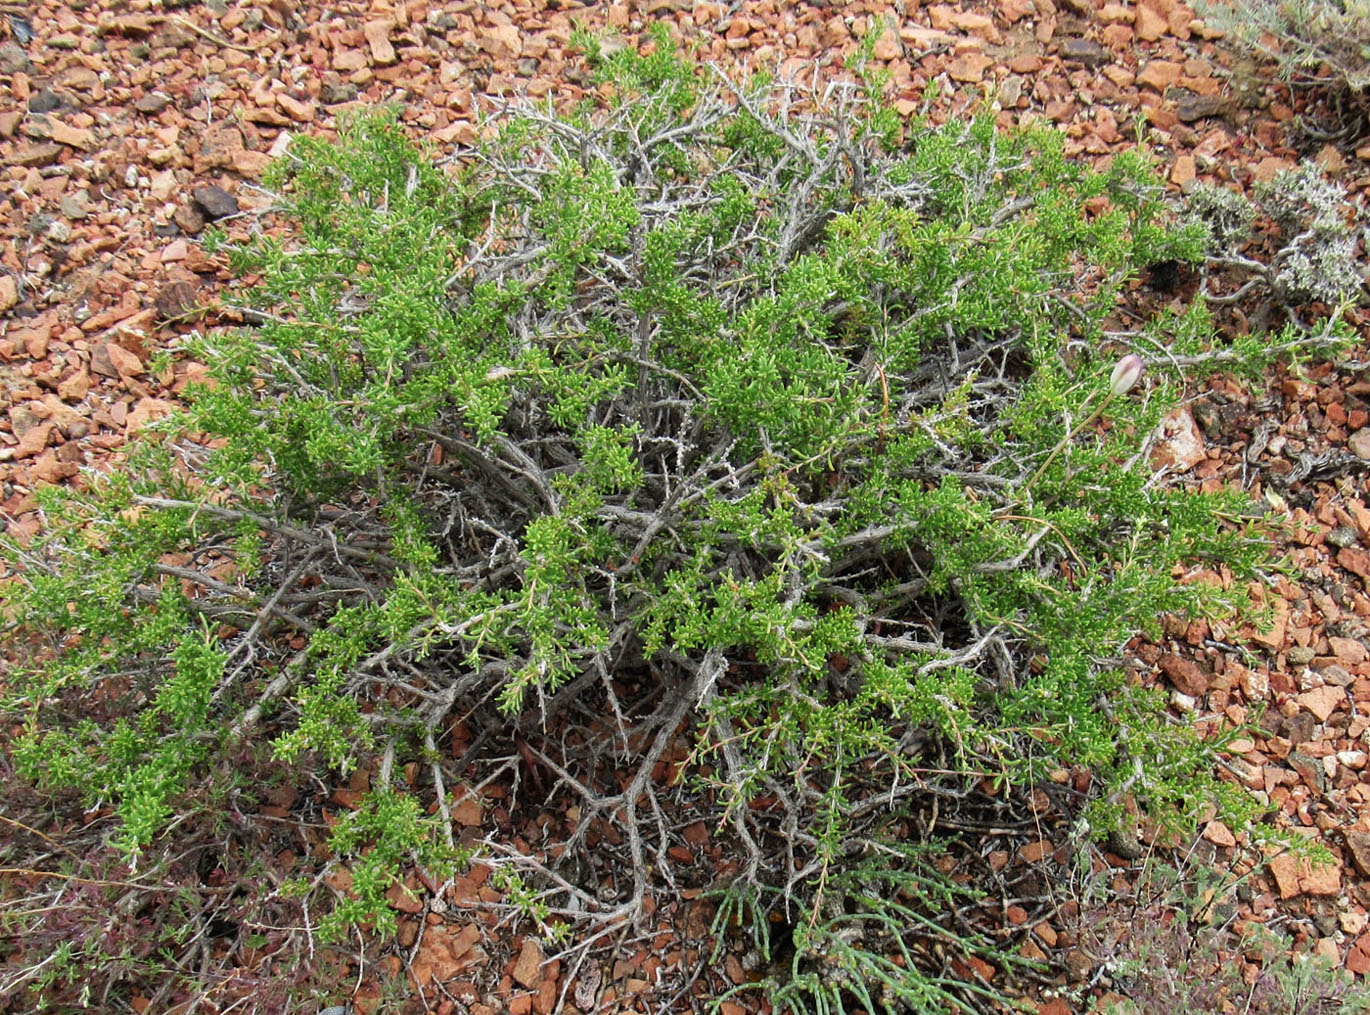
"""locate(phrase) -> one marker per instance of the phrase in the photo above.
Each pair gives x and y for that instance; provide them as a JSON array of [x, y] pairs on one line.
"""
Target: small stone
[[9, 292], [1183, 172], [1185, 674], [189, 219], [176, 299], [332, 94], [13, 59], [1285, 870], [76, 205], [1321, 701], [45, 101], [1085, 51], [1359, 844], [73, 137], [503, 42], [1359, 442], [146, 411], [1200, 107], [74, 388], [527, 970], [1268, 168], [1342, 536], [300, 112], [215, 201], [125, 363], [1179, 444], [969, 67], [34, 440], [1349, 651], [1160, 74], [152, 104], [1150, 24], [1219, 834], [35, 155], [378, 38]]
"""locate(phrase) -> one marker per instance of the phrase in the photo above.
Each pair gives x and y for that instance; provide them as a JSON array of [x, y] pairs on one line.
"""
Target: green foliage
[[857, 951], [797, 425]]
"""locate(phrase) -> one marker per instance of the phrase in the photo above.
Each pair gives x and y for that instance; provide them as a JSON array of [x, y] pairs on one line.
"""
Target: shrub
[[1315, 230], [756, 431], [1322, 45]]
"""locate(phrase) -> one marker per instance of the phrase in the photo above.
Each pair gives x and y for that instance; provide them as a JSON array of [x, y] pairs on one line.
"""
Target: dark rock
[[215, 201], [13, 59], [339, 91], [1342, 536], [1309, 768], [100, 362], [1087, 52], [1200, 107], [166, 230], [176, 299], [1299, 729], [152, 104], [45, 101], [22, 29]]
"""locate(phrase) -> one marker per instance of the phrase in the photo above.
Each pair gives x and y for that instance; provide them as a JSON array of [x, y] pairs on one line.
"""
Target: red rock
[[300, 112], [72, 137], [1034, 851], [1358, 955], [377, 35], [1349, 651], [1219, 834], [1285, 869], [1160, 74], [1322, 880], [1187, 676], [1183, 172], [349, 60], [1149, 23], [1322, 701], [48, 468], [1359, 844], [503, 42], [969, 67], [1355, 560], [74, 388], [34, 441], [527, 971], [1269, 168], [405, 898]]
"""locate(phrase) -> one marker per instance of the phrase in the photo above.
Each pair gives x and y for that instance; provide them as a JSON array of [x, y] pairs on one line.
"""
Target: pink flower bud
[[1126, 374]]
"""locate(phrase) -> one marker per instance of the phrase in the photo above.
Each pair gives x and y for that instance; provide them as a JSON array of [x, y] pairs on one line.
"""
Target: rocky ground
[[126, 127]]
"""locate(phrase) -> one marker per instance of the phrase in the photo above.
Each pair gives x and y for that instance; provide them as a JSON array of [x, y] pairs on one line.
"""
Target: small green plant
[[752, 425]]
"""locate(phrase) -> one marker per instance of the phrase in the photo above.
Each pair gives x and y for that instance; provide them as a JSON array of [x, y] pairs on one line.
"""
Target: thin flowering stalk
[[1124, 378]]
